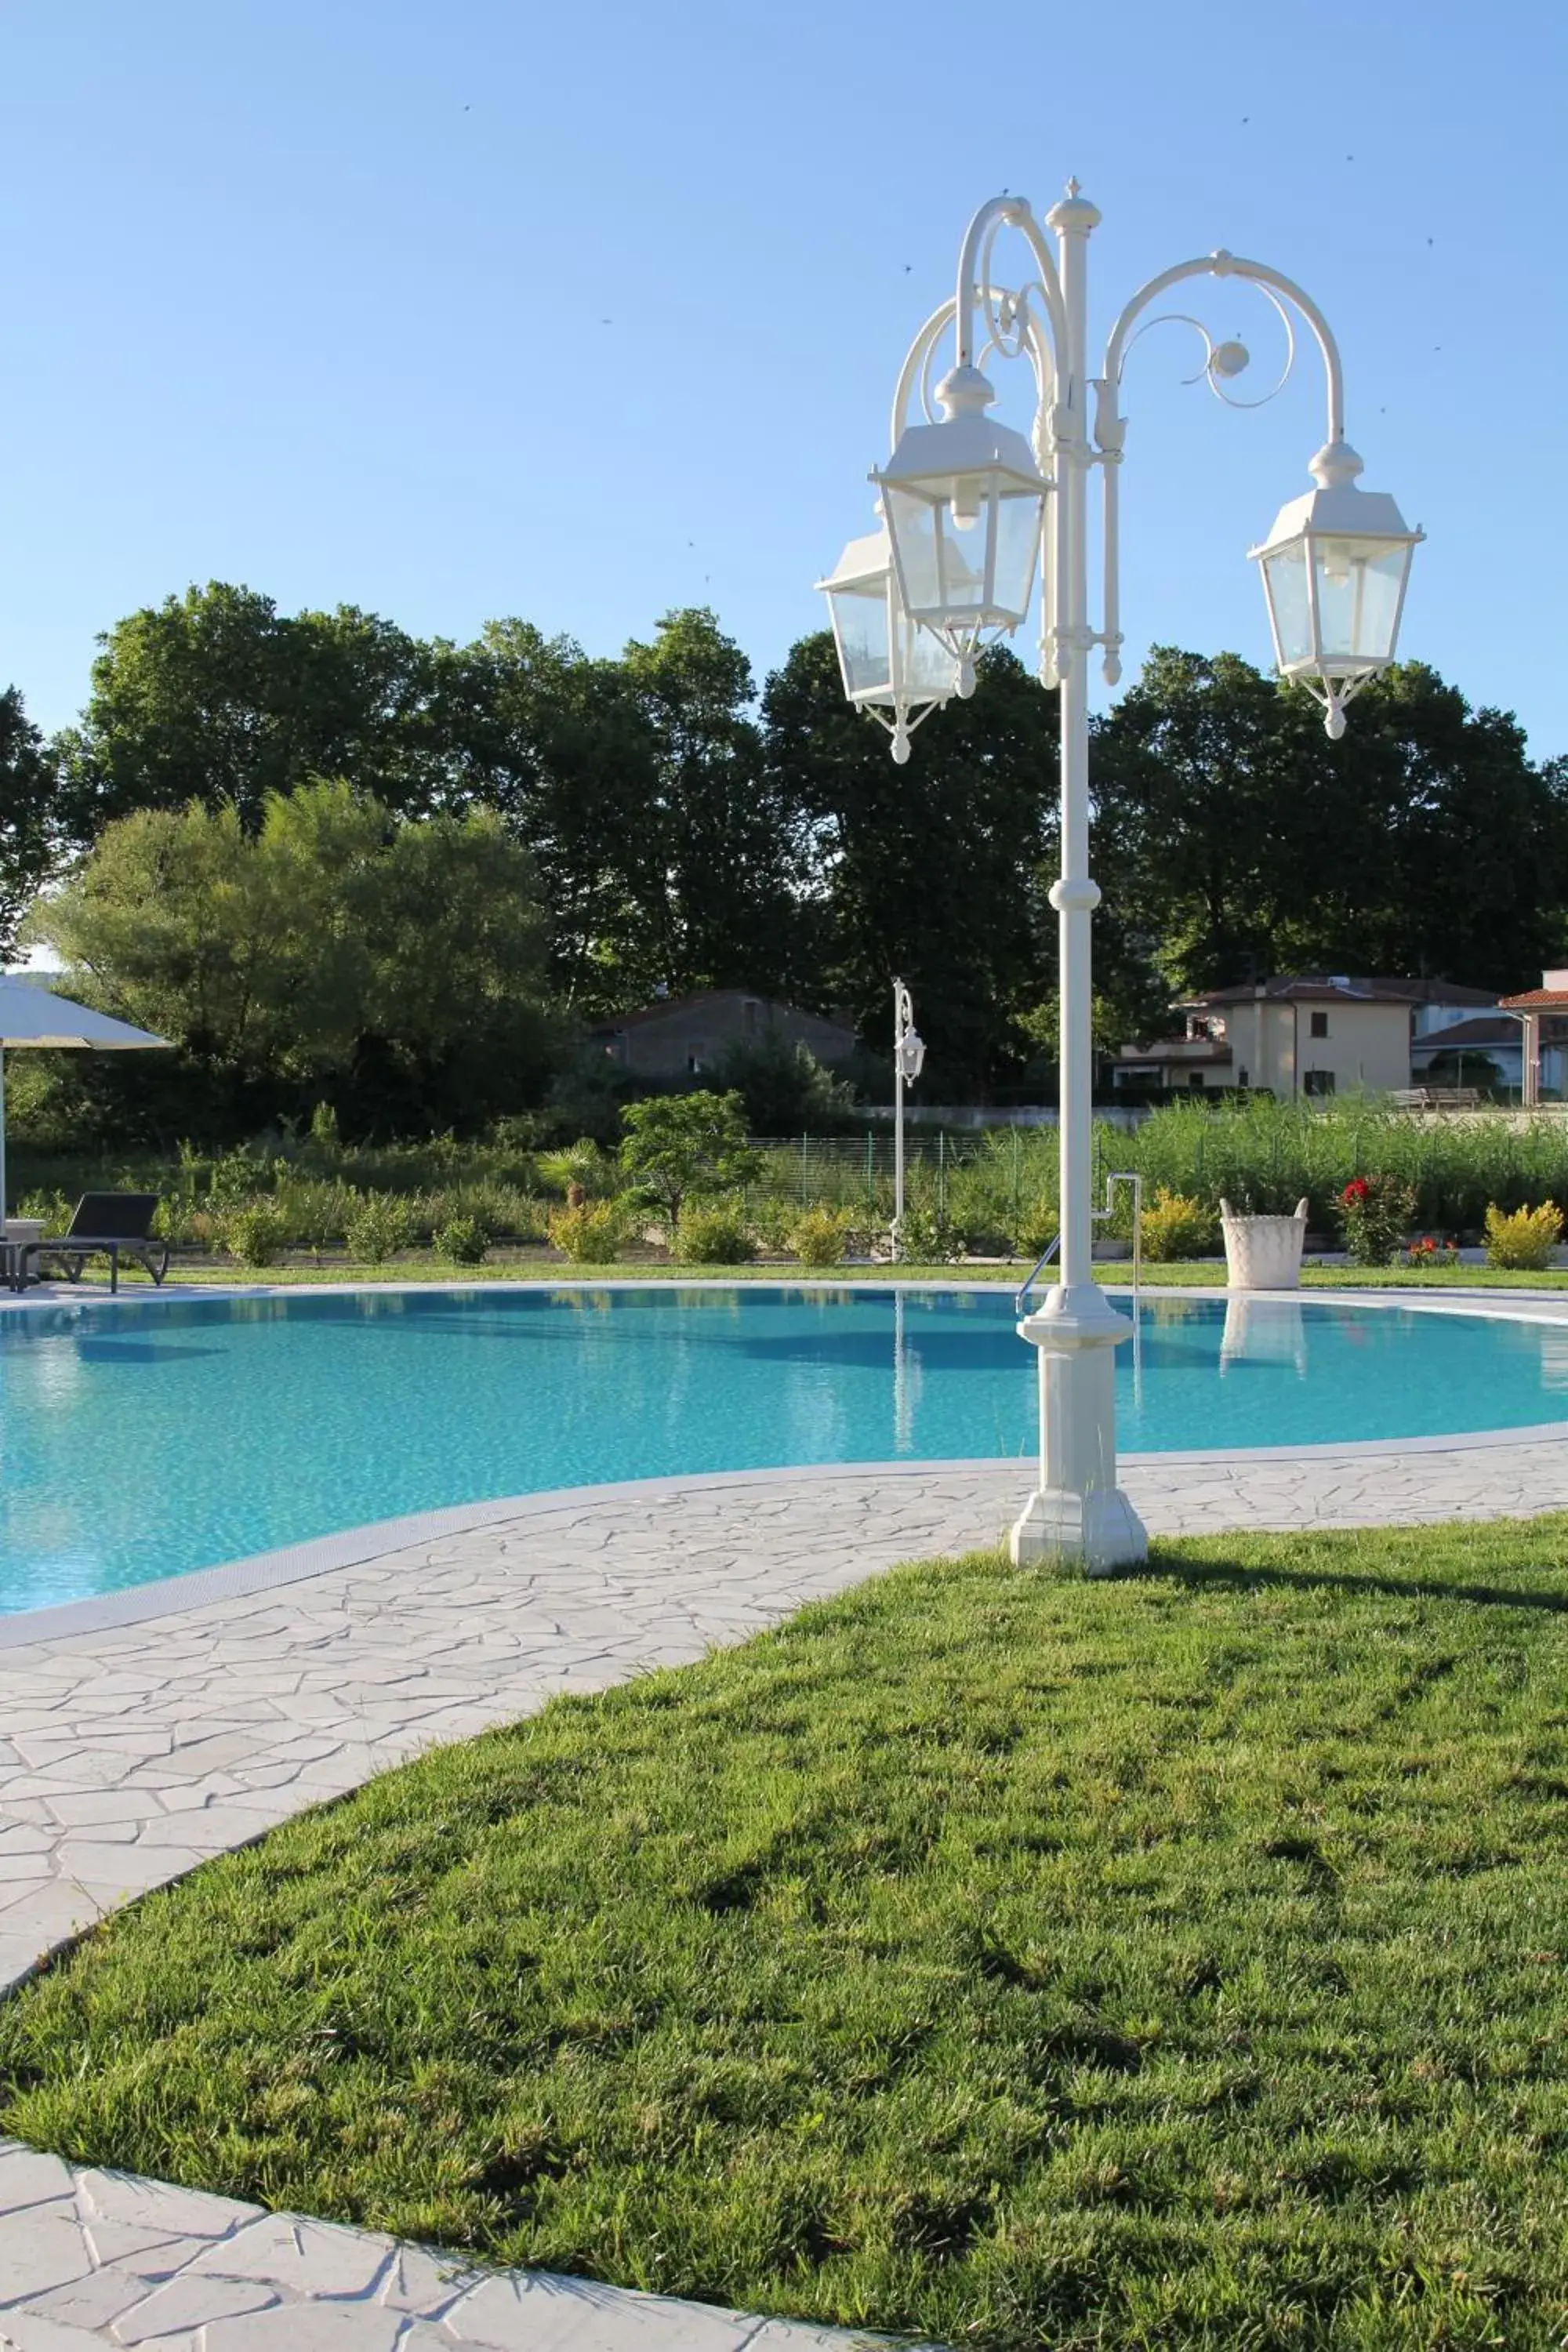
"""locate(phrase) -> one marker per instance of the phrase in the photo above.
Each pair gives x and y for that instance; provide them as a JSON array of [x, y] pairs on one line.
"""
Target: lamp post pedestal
[[1078, 1518]]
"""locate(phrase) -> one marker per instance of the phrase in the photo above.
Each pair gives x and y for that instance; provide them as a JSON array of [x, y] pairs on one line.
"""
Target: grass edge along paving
[[787, 1274], [1169, 1960]]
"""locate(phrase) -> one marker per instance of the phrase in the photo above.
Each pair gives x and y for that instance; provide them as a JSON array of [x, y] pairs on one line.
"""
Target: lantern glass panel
[[1017, 539], [938, 581], [928, 671], [1285, 580], [1359, 587], [860, 625]]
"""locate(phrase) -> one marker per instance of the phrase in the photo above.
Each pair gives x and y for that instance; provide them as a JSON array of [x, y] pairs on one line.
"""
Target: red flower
[[1355, 1191]]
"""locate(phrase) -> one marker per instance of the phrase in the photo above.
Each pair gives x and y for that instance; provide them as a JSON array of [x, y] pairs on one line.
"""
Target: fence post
[[870, 1171], [1015, 1193], [941, 1172], [804, 1167]]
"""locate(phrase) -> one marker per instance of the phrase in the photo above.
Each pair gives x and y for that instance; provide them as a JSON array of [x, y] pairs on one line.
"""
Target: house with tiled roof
[[1542, 1016], [1301, 1035]]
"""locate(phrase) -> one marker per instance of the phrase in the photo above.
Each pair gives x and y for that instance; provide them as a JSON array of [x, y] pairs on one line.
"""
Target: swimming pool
[[149, 1438]]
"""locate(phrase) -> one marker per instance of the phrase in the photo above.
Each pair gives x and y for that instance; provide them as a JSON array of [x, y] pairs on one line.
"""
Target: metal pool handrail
[[1120, 1176]]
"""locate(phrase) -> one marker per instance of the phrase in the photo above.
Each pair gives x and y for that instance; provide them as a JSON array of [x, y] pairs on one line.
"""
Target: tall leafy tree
[[1235, 839], [934, 871], [31, 841], [217, 696], [1463, 864], [730, 826], [1203, 777], [560, 744], [396, 966]]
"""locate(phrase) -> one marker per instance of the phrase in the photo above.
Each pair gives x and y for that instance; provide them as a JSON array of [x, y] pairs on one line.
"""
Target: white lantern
[[898, 672], [963, 501], [1334, 571]]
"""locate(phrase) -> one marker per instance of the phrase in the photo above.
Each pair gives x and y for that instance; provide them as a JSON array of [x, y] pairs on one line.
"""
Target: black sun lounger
[[104, 1225]]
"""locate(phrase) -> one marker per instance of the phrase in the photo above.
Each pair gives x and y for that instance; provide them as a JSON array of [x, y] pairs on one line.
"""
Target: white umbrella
[[30, 1015]]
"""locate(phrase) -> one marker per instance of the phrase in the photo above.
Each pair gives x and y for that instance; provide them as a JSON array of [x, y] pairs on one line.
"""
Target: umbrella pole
[[1, 1138]]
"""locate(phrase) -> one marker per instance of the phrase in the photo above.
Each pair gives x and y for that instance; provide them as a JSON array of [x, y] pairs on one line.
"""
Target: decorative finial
[[1072, 187]]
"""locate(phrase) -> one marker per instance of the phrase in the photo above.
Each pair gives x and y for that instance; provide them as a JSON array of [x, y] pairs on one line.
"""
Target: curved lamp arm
[[1016, 212], [1110, 427], [1231, 265]]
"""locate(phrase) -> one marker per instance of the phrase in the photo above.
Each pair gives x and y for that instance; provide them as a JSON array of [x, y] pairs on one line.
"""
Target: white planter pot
[[1263, 1253]]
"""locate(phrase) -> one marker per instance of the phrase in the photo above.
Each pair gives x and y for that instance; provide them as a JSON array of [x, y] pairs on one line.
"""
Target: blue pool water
[[143, 1440]]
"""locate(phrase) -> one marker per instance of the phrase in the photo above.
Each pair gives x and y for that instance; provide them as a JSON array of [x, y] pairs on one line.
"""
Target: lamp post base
[[1078, 1519], [1089, 1535]]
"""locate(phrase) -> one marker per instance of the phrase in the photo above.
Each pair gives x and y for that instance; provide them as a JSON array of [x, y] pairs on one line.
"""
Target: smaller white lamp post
[[909, 1060], [1334, 569], [890, 666]]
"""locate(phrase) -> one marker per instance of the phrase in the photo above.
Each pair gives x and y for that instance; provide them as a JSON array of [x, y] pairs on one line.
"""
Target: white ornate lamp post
[[908, 1061], [969, 507]]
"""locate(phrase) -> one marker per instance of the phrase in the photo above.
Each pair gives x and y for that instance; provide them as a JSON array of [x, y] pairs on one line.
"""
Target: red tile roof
[[1536, 1000], [1336, 988]]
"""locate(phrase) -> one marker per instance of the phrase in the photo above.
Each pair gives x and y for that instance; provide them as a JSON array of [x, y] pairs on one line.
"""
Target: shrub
[[713, 1235], [232, 1181], [589, 1233], [1174, 1225], [463, 1240], [582, 1165], [257, 1236], [1524, 1239], [1039, 1223], [378, 1226], [53, 1211], [1376, 1213], [928, 1236], [820, 1237], [773, 1221], [680, 1146], [315, 1210]]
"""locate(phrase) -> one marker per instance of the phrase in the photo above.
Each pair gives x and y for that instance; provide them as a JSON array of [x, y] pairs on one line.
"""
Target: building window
[[1195, 1078], [1320, 1024], [1318, 1082]]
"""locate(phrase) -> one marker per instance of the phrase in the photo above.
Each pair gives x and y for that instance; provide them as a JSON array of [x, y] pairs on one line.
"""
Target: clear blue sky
[[309, 294]]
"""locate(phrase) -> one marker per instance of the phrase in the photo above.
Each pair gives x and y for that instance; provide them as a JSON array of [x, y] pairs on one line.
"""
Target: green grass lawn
[[1170, 1961], [542, 1265]]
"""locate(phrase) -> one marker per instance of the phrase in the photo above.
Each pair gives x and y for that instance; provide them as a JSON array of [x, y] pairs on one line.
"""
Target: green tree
[[934, 870], [731, 833], [29, 816], [1215, 797], [677, 1146], [1460, 864], [1234, 839], [218, 697], [399, 965], [560, 746]]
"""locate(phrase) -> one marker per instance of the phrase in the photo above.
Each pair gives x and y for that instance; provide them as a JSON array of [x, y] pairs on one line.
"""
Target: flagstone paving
[[131, 1751]]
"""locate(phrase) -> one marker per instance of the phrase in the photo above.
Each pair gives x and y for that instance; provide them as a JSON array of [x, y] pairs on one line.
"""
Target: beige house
[[684, 1036], [1297, 1036]]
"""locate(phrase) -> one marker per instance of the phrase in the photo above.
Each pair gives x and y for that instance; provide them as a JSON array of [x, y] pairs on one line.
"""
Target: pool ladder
[[1121, 1176]]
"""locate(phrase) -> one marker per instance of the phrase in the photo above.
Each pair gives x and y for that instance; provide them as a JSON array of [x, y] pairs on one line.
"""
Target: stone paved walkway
[[130, 1753]]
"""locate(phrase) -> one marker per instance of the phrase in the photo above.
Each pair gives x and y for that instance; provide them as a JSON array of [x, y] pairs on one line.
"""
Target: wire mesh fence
[[996, 1185], [1000, 1185]]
